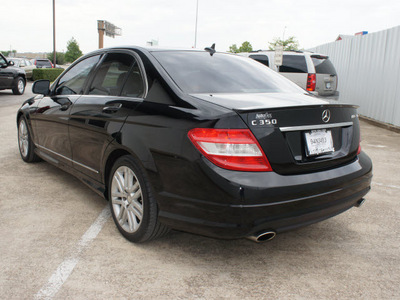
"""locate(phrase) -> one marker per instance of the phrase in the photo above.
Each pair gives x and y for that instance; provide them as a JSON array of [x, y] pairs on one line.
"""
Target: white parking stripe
[[387, 185], [51, 288]]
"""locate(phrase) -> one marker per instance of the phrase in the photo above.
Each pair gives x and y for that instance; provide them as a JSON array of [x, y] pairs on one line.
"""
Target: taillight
[[311, 81], [233, 149], [359, 145]]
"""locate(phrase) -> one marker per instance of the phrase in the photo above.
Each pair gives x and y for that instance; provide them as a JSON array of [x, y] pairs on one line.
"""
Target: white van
[[312, 71]]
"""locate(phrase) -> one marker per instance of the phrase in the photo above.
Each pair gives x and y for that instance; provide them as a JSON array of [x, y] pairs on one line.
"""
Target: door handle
[[112, 108]]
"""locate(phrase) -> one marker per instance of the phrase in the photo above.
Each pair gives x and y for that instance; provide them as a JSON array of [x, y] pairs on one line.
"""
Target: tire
[[25, 144], [19, 89], [132, 204]]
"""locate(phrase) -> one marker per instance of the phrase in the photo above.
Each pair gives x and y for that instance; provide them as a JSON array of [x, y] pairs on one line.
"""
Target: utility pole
[[54, 33], [195, 30], [101, 29]]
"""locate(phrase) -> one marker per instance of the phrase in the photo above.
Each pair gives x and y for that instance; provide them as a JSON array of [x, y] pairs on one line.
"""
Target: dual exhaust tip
[[262, 237]]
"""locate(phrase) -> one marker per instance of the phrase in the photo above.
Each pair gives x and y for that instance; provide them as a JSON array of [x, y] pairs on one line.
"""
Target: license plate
[[319, 142], [328, 85]]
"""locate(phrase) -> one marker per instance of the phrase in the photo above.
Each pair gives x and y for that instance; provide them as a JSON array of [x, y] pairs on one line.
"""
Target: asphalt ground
[[57, 241]]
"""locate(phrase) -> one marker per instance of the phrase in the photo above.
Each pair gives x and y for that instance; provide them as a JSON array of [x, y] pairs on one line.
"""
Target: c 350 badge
[[263, 120]]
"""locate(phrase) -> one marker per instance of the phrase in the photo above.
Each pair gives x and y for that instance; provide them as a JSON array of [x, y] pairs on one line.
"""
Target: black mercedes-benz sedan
[[199, 141]]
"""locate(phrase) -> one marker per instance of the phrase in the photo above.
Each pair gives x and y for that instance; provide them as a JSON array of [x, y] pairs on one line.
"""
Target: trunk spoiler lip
[[258, 109]]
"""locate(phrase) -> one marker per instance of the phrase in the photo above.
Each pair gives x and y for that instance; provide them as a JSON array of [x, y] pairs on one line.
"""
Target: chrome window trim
[[312, 127], [60, 155]]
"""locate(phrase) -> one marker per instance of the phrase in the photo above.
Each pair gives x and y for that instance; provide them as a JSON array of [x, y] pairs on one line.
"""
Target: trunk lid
[[306, 138], [285, 126]]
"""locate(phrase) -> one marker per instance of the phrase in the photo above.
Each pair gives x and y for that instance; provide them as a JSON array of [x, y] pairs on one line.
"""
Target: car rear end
[[280, 160], [43, 63], [326, 76]]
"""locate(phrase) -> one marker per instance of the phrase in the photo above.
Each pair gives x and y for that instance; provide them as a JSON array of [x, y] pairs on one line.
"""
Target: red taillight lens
[[359, 146], [311, 81], [233, 149]]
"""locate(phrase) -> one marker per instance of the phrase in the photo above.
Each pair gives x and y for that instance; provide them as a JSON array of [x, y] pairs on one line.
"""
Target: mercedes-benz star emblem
[[326, 115]]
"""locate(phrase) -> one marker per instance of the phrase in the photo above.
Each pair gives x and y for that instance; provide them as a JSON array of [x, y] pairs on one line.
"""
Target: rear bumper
[[255, 202]]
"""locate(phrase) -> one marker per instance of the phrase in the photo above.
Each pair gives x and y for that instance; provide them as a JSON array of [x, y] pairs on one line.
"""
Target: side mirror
[[41, 87], [10, 63]]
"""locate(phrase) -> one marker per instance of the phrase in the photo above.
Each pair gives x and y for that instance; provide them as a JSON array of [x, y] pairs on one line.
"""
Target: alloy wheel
[[23, 138], [127, 199]]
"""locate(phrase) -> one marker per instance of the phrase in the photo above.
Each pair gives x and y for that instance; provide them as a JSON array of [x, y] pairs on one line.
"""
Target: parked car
[[311, 71], [209, 143], [25, 64], [42, 63], [11, 77]]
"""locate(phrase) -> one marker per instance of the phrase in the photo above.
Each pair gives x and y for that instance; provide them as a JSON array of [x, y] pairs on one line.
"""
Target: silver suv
[[312, 71]]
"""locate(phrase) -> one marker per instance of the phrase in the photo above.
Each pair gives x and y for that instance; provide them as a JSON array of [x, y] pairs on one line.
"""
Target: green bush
[[49, 74]]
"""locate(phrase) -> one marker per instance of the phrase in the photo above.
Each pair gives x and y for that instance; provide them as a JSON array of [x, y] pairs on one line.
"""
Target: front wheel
[[19, 89], [132, 205], [26, 146]]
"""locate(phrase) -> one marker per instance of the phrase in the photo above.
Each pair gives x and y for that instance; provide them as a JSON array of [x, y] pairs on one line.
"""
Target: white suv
[[312, 71]]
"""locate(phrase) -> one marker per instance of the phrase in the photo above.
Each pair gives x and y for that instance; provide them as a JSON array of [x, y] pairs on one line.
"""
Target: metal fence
[[368, 69]]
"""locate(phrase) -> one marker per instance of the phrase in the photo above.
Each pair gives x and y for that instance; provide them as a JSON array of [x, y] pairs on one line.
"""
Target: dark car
[[209, 143], [11, 77], [42, 63]]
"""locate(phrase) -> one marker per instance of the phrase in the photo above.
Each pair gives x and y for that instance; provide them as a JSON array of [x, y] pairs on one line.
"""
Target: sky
[[27, 25]]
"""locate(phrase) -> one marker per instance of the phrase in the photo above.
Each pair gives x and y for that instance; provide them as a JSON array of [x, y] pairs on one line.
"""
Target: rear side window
[[323, 66], [112, 74], [260, 58], [293, 64], [74, 80]]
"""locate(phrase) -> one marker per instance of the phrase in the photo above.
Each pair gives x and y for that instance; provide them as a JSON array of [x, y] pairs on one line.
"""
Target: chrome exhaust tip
[[262, 237], [360, 202]]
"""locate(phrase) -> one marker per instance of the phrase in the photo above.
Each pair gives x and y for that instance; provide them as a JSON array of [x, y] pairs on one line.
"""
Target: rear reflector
[[311, 81], [233, 149]]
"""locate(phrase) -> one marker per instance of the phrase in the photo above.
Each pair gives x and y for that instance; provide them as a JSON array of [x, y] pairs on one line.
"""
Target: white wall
[[368, 69]]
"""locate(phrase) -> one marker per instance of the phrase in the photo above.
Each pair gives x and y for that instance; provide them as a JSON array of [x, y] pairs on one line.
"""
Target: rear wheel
[[132, 205], [26, 146], [19, 88]]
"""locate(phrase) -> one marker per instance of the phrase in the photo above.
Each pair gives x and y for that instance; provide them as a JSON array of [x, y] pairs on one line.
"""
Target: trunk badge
[[326, 115]]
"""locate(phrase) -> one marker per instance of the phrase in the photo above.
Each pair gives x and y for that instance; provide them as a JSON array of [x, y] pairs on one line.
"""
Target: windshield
[[199, 72]]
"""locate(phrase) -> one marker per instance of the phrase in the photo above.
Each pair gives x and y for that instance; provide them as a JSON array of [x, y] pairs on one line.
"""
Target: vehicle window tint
[[260, 58], [73, 81], [112, 74], [199, 72], [134, 86], [27, 62], [293, 64], [323, 66]]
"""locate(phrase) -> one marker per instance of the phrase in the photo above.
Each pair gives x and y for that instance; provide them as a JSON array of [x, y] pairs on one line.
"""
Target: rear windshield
[[293, 64], [43, 63], [199, 72], [323, 66]]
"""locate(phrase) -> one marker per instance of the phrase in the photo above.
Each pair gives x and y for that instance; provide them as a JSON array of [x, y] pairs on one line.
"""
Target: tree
[[73, 51], [246, 47], [60, 57], [290, 44], [9, 53]]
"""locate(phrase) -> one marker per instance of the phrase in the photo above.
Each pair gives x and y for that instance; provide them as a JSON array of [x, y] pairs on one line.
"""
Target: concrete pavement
[[57, 241]]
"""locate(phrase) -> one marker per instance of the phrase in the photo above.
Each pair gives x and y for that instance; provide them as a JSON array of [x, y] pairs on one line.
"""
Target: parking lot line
[[57, 279], [387, 185]]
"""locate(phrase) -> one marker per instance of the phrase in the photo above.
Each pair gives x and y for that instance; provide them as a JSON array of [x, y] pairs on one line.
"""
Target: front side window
[[293, 64], [112, 74], [2, 60], [72, 82]]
